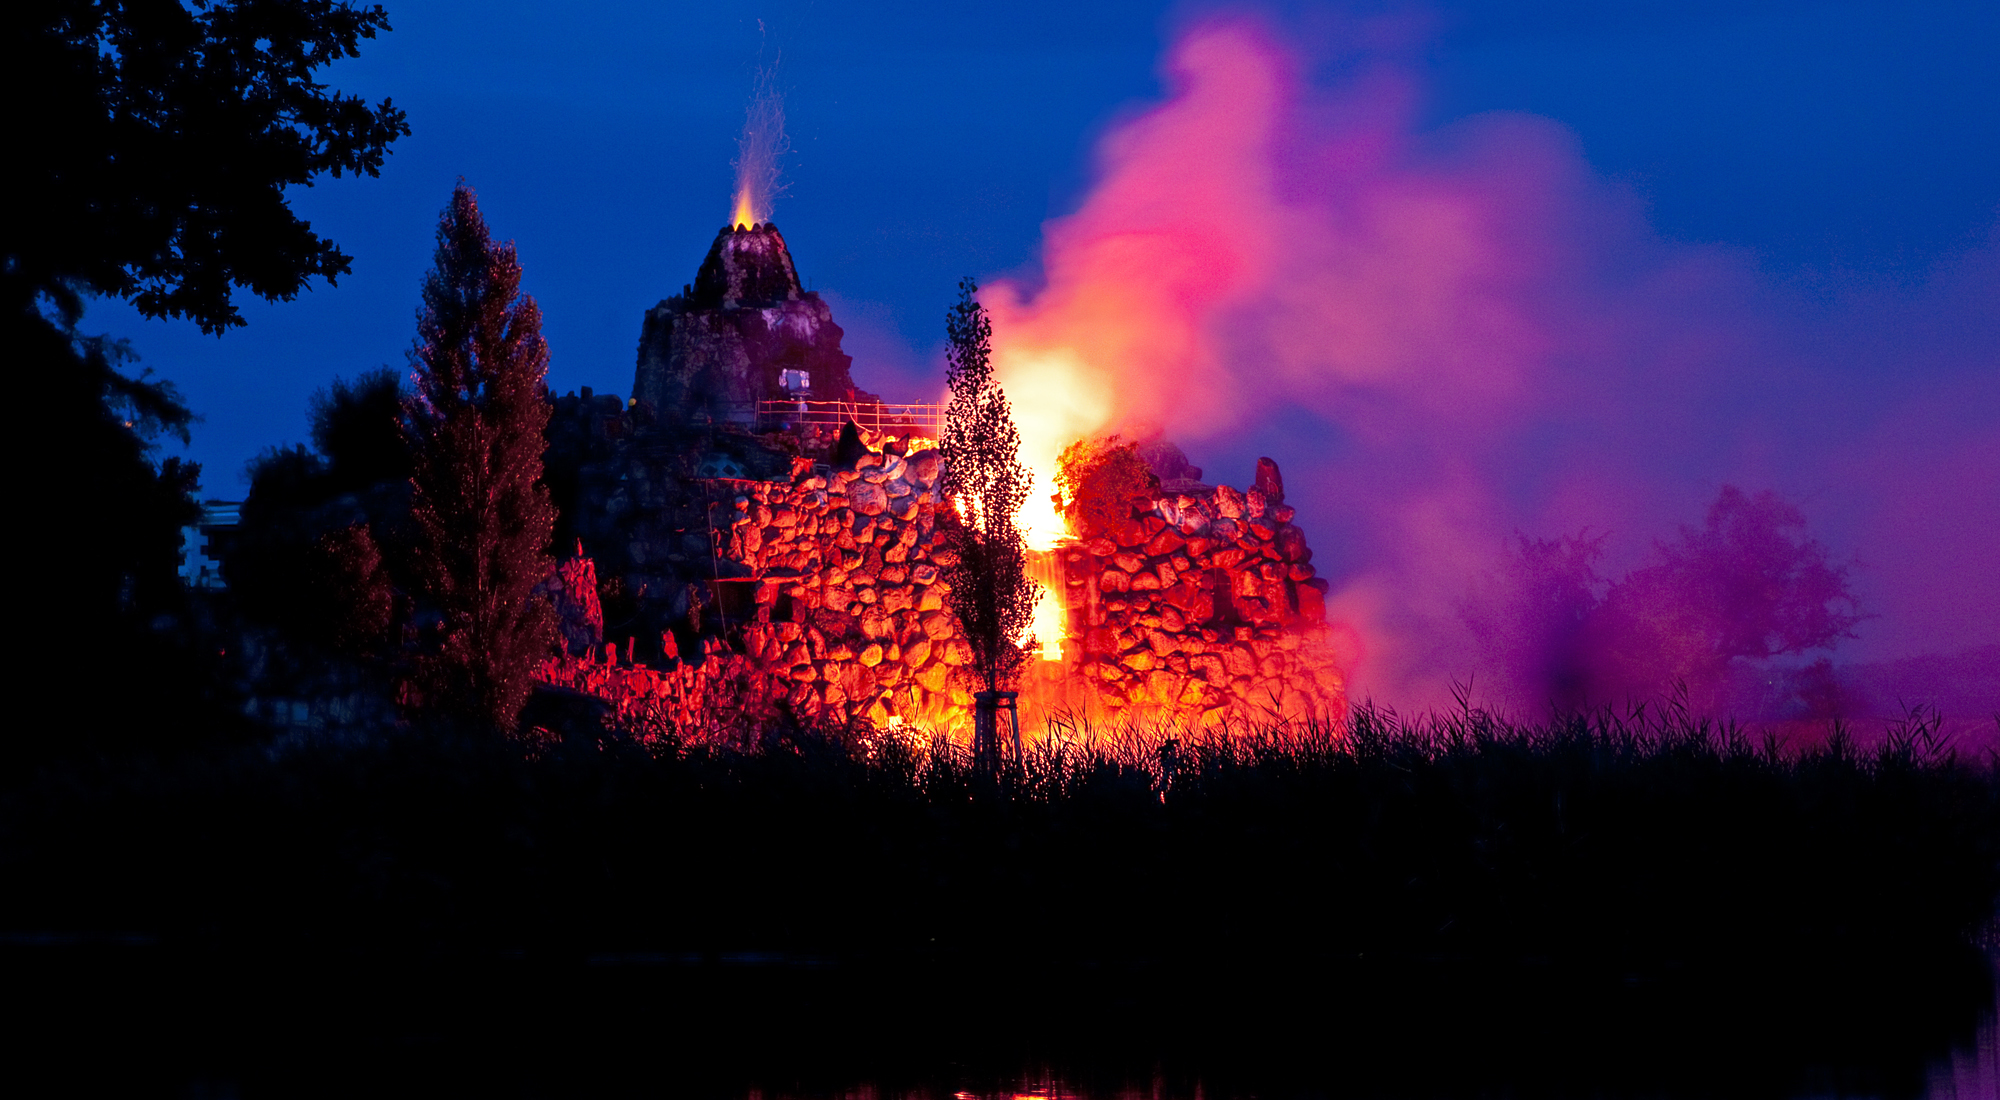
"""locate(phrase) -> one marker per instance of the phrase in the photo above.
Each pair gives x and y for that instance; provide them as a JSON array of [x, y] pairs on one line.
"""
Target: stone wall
[[1198, 607], [1202, 607], [851, 614], [847, 617]]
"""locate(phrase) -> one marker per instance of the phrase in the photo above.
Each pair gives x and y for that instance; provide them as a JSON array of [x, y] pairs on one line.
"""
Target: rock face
[[851, 618], [710, 353], [1195, 608], [843, 615], [1203, 607], [819, 594], [571, 587]]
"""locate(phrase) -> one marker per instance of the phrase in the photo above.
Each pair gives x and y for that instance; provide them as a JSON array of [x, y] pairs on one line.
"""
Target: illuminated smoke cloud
[[1450, 336]]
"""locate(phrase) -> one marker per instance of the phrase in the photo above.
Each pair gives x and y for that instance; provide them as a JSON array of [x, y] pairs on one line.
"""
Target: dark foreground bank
[[1421, 905]]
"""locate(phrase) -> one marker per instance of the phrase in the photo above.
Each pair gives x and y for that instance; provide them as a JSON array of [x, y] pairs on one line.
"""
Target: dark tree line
[[413, 532], [149, 150], [309, 558], [152, 166]]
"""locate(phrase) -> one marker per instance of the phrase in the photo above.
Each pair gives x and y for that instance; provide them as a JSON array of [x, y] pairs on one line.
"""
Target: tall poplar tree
[[983, 475], [483, 518]]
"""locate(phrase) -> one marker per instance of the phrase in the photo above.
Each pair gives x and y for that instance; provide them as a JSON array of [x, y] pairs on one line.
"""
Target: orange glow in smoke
[[1116, 339], [746, 213], [1119, 338]]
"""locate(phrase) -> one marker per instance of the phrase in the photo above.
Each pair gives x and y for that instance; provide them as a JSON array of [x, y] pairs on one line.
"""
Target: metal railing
[[874, 416]]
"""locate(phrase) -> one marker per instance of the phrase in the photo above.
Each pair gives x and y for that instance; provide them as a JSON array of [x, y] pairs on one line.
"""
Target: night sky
[[1802, 200]]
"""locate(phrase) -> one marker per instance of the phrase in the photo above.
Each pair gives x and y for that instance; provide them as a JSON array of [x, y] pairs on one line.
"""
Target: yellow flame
[[1051, 624], [746, 214], [1056, 401]]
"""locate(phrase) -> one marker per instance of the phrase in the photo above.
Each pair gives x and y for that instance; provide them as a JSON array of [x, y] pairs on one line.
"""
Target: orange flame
[[745, 215], [1119, 337]]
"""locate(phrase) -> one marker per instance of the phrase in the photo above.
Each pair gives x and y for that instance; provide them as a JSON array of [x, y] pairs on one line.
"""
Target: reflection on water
[[1972, 1072], [1969, 1072]]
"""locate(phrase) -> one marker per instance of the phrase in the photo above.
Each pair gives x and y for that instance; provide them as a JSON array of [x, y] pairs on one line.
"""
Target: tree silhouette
[[308, 554], [1747, 585], [358, 427], [150, 147], [1533, 618], [152, 143], [483, 519], [986, 483]]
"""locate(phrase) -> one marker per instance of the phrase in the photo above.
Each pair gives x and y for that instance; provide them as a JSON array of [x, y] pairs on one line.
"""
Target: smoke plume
[[1456, 337]]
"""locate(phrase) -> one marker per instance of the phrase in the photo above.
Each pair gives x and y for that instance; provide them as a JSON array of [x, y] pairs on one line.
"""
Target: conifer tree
[[483, 519], [991, 591]]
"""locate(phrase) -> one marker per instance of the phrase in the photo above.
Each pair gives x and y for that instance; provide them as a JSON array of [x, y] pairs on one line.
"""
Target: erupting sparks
[[758, 150]]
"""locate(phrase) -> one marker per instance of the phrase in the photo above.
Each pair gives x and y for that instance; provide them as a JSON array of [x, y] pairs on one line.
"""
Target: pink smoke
[[1450, 336]]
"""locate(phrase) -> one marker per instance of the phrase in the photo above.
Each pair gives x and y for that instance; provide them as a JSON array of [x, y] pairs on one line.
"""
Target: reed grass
[[1310, 870]]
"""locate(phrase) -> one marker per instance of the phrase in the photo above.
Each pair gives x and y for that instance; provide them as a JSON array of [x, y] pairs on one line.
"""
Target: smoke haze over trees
[[1449, 332], [1746, 586]]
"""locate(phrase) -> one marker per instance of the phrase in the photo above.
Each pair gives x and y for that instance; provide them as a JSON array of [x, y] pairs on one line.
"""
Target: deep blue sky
[[933, 140]]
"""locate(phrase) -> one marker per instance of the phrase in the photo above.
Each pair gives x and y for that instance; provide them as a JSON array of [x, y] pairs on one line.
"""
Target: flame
[[759, 149], [1117, 332], [1056, 399], [746, 211], [1050, 627]]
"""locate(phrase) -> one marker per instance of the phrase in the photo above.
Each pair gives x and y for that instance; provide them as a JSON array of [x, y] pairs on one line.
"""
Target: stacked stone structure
[[712, 352], [845, 615], [851, 614], [1202, 606], [744, 573]]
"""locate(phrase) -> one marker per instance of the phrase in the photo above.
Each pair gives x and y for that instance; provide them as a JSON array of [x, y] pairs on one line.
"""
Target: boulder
[[924, 467], [868, 499], [1270, 482]]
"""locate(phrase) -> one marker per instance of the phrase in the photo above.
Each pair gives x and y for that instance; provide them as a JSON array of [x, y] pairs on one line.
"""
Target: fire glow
[[1128, 278], [745, 214], [1491, 333]]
